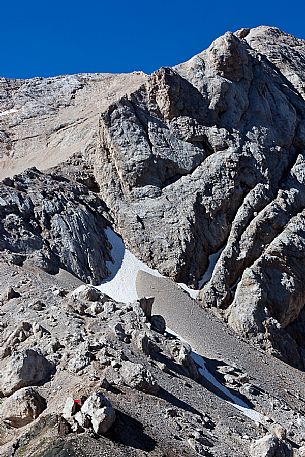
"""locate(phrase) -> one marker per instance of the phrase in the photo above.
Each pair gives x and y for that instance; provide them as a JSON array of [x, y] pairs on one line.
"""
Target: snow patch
[[121, 284], [124, 267], [193, 293], [234, 400]]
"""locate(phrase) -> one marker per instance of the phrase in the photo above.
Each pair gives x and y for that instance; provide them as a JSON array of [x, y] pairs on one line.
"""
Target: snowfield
[[121, 284]]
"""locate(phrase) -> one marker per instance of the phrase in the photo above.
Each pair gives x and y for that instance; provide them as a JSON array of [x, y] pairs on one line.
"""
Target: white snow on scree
[[121, 284], [234, 400]]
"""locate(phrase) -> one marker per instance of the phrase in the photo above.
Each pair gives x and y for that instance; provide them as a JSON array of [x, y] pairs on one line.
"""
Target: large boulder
[[270, 446], [26, 368], [87, 293], [22, 407], [94, 412], [138, 377], [100, 412]]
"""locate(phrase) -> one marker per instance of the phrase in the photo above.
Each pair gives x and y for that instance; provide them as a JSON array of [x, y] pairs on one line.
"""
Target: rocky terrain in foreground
[[200, 169]]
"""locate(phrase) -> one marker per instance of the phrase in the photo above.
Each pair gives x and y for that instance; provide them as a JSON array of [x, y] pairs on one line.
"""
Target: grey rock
[[27, 368], [137, 377], [69, 408], [52, 119], [98, 409], [158, 323], [196, 167], [87, 293], [37, 305], [8, 294], [270, 446], [22, 407], [80, 361], [144, 343], [185, 359], [37, 222], [146, 305]]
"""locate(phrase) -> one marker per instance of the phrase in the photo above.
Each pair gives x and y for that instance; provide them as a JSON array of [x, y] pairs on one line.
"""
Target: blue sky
[[45, 38]]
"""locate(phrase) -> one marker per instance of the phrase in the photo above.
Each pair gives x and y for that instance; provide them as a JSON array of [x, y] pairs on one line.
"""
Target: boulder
[[158, 323], [87, 293], [26, 368], [138, 377], [69, 408], [8, 294], [185, 359], [146, 305], [22, 407], [97, 411], [270, 446], [301, 452]]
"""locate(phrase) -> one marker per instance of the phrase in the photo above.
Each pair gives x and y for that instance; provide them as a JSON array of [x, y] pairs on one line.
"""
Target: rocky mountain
[[200, 170]]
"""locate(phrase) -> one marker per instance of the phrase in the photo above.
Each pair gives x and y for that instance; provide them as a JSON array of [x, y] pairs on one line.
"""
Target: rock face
[[198, 162], [208, 157], [51, 119], [200, 169], [53, 224]]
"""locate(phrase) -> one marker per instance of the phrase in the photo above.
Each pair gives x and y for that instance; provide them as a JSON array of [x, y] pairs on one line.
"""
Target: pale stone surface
[[270, 446], [137, 377], [22, 407], [100, 412]]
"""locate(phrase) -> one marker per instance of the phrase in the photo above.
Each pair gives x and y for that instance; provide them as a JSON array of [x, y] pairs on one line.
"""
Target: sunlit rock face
[[200, 159]]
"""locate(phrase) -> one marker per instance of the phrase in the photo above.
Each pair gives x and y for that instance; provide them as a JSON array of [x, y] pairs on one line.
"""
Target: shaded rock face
[[52, 223], [210, 155]]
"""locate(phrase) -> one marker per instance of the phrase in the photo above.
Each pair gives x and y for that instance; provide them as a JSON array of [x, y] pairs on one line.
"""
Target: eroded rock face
[[209, 155], [51, 119], [54, 224], [204, 157]]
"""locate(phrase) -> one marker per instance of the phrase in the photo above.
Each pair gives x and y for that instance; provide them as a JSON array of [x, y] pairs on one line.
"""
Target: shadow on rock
[[170, 398]]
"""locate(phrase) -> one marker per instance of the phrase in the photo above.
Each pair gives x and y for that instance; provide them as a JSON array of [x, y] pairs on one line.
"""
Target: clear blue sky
[[51, 37]]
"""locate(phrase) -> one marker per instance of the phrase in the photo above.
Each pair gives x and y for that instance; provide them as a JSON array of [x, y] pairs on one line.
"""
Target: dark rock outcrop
[[53, 223]]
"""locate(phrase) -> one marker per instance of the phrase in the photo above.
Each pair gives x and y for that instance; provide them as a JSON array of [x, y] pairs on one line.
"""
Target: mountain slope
[[200, 169]]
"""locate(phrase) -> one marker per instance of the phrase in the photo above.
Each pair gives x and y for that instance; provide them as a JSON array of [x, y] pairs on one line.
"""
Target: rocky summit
[[152, 257]]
